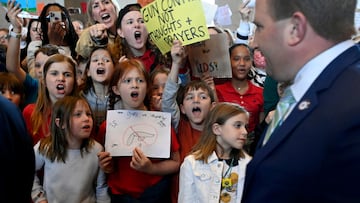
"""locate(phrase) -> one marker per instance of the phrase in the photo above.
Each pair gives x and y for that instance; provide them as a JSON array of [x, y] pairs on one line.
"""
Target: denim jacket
[[201, 183]]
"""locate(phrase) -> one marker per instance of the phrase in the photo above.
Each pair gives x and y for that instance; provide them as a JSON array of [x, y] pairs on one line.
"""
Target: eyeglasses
[[4, 37]]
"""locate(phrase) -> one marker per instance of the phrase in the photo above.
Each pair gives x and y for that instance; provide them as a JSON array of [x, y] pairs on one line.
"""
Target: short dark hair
[[195, 85], [124, 11], [48, 50], [333, 20], [11, 82], [241, 44]]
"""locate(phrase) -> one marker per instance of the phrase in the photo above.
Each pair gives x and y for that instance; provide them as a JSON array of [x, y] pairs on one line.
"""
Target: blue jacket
[[314, 156]]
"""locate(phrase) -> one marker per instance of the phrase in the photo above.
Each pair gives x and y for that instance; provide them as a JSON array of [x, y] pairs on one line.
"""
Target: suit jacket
[[314, 156], [16, 155]]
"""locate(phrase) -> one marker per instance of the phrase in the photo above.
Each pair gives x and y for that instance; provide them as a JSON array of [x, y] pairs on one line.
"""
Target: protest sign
[[167, 20], [147, 130], [211, 56]]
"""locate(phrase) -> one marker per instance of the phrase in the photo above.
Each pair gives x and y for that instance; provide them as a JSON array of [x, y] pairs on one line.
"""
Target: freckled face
[[132, 88]]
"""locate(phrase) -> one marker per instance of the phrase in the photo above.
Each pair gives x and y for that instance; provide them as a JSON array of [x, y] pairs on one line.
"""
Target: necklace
[[226, 180], [240, 85], [239, 89]]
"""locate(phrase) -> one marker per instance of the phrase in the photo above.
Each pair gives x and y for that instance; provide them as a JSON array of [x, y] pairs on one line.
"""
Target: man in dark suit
[[313, 154], [16, 155]]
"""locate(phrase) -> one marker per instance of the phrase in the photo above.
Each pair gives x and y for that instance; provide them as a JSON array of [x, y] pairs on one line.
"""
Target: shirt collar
[[312, 69]]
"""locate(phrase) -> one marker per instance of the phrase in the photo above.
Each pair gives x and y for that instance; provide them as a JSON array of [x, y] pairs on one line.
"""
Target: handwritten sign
[[210, 9], [167, 20], [211, 56], [223, 16], [148, 130]]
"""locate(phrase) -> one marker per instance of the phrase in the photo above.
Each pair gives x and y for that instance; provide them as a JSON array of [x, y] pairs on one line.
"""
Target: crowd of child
[[67, 81], [61, 79]]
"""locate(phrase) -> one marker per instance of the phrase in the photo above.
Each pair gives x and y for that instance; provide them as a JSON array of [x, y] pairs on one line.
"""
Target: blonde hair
[[91, 20], [43, 103]]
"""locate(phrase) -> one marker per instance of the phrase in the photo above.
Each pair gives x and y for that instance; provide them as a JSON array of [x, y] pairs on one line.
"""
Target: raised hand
[[245, 11], [98, 31], [56, 32], [178, 52], [13, 11]]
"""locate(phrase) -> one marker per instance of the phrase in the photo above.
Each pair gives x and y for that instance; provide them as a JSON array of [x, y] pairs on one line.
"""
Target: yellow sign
[[167, 20]]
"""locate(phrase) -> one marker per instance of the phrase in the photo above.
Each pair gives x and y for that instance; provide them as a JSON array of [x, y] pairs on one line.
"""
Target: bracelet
[[15, 35], [242, 37]]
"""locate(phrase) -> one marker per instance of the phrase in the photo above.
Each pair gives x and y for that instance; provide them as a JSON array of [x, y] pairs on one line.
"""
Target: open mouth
[[86, 127], [196, 109], [105, 17], [100, 71], [134, 94], [60, 87], [137, 35], [241, 70]]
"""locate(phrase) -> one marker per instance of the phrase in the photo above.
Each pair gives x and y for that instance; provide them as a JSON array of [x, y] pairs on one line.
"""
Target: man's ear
[[120, 33], [296, 29]]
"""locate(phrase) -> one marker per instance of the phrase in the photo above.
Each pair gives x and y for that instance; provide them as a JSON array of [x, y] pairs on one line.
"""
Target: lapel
[[306, 105]]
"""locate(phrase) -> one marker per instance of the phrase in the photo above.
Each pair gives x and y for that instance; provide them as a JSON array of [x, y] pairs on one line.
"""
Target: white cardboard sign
[[147, 130]]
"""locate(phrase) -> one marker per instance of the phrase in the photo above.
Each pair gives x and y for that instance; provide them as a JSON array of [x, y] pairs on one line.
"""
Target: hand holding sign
[[140, 162], [211, 57], [146, 130]]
